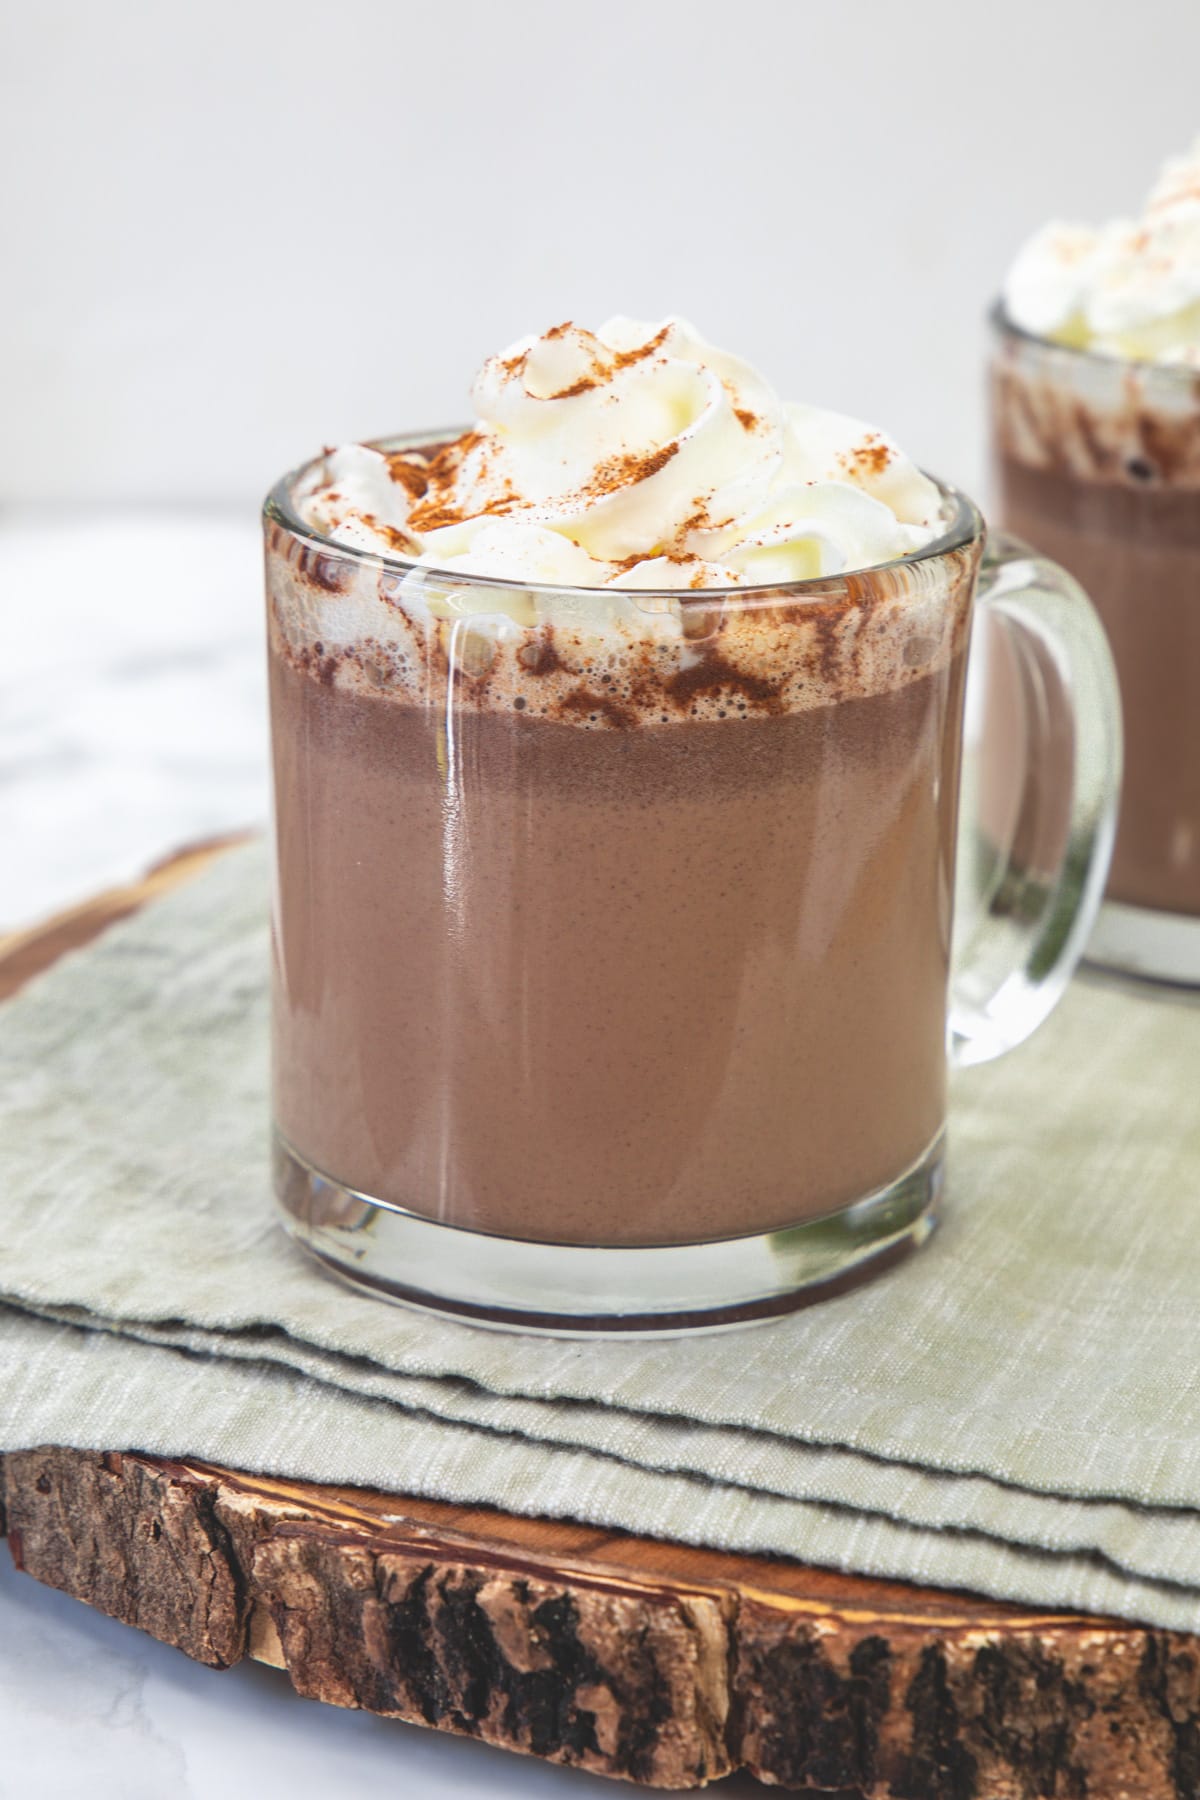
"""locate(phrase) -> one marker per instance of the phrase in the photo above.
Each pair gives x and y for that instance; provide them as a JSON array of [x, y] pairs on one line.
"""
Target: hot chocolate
[[616, 747], [605, 968], [1096, 407]]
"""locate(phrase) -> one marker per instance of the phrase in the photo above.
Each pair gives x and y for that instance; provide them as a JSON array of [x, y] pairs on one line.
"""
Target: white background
[[237, 230], [241, 228]]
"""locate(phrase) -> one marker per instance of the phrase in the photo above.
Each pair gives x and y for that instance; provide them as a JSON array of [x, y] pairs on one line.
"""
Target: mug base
[[588, 1289], [1135, 940]]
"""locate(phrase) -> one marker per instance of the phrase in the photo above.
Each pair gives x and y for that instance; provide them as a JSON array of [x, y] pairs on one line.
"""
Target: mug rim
[[1145, 367], [965, 526]]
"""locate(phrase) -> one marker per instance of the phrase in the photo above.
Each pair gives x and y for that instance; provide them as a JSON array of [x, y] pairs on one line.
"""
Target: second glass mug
[[1097, 461], [612, 930]]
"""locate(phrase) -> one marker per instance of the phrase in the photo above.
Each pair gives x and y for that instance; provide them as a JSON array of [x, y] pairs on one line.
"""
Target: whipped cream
[[1130, 288], [635, 457]]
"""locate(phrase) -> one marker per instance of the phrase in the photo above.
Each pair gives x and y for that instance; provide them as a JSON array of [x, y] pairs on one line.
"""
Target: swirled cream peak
[[635, 456], [1129, 288]]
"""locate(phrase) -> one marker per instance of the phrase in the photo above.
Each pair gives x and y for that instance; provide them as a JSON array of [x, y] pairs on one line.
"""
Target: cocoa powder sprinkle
[[625, 471], [623, 358], [581, 386], [409, 471], [871, 457], [394, 536]]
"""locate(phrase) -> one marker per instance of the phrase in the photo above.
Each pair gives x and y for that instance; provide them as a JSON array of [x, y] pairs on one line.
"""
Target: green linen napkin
[[1016, 1410]]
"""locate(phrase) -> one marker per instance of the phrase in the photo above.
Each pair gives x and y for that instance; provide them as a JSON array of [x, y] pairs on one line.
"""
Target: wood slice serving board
[[624, 1655]]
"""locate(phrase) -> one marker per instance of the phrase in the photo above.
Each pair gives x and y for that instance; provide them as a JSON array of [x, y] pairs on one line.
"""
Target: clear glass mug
[[1097, 463], [612, 931]]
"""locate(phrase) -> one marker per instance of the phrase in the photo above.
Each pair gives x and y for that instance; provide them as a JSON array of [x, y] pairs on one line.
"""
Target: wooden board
[[623, 1655]]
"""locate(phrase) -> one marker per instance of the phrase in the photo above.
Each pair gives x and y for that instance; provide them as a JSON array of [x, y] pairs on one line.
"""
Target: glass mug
[[612, 930], [1097, 463]]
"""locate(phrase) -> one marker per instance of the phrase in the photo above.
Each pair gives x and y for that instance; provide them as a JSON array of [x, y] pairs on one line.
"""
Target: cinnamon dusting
[[604, 366], [621, 359], [435, 516], [577, 387], [410, 471], [395, 537], [440, 506], [871, 457], [624, 471]]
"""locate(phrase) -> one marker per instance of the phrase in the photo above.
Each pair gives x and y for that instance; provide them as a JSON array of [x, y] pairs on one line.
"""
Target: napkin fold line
[[325, 1368]]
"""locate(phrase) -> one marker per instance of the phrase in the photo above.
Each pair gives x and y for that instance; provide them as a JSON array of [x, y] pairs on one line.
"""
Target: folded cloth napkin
[[1016, 1410]]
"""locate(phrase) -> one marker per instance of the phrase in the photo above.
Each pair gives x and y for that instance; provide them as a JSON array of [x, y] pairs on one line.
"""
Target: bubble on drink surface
[[732, 657]]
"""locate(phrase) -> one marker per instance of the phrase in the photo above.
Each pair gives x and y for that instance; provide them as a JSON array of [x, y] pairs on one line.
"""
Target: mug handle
[[1025, 908]]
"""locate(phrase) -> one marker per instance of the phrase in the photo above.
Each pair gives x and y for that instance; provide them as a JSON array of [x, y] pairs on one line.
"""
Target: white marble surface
[[90, 1706], [132, 695], [132, 719]]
